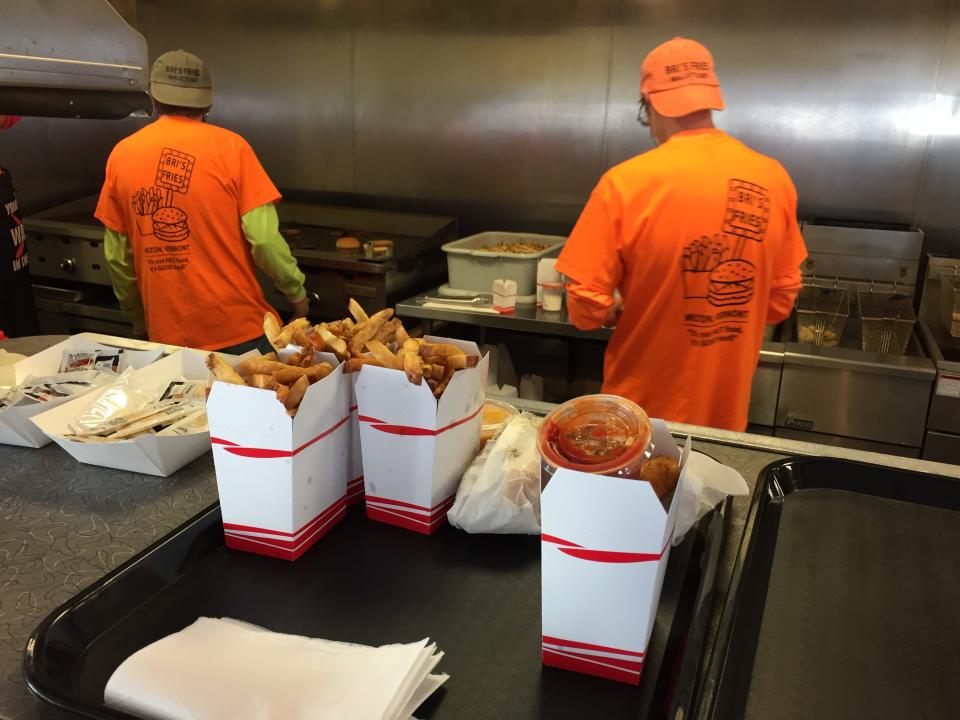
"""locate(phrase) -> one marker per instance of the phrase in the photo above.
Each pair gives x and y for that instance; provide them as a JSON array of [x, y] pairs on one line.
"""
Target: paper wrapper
[[707, 483]]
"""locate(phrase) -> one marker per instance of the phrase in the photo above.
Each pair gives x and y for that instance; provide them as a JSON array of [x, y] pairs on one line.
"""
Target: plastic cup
[[496, 414], [597, 434], [552, 296]]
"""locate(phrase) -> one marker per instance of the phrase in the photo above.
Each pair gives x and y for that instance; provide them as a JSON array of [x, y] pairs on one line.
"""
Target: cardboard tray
[[478, 596], [843, 600]]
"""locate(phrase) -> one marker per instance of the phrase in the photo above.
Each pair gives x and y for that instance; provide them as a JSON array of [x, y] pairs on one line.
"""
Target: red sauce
[[597, 434]]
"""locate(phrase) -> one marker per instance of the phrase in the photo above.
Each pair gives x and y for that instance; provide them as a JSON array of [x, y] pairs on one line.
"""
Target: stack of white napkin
[[231, 670]]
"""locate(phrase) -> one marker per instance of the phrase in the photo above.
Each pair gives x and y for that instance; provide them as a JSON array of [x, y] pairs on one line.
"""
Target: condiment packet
[[44, 392], [195, 423], [51, 387], [108, 363], [12, 397], [117, 422], [74, 360], [189, 390], [165, 416], [128, 410]]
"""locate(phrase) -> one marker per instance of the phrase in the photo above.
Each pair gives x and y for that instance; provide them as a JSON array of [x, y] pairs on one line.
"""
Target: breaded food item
[[662, 473]]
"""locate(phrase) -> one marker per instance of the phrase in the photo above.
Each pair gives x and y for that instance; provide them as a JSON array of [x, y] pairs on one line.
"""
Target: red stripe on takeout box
[[386, 427], [616, 664], [600, 668], [355, 491], [272, 542], [319, 519], [266, 453], [547, 639], [407, 515], [604, 556]]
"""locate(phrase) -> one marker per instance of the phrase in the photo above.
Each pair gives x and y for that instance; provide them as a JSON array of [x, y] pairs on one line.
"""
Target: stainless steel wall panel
[[838, 103], [282, 79], [509, 112], [939, 202], [495, 119]]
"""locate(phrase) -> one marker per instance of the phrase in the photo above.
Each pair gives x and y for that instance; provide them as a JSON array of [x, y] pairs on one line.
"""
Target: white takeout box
[[150, 454], [16, 427], [355, 478], [605, 543], [416, 448], [282, 481]]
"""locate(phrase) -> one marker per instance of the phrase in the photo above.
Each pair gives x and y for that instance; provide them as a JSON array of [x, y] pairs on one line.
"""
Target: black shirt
[[18, 315]]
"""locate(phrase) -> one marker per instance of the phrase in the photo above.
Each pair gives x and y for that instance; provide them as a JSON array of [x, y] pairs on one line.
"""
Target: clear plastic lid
[[599, 434]]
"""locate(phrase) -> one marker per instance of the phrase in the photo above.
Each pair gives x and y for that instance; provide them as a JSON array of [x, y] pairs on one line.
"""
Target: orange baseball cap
[[679, 78]]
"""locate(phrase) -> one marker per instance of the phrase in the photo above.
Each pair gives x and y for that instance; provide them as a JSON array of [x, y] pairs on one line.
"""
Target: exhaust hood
[[70, 58]]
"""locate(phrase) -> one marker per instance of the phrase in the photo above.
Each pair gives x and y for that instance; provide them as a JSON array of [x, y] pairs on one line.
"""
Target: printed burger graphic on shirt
[[170, 224], [714, 269], [163, 220]]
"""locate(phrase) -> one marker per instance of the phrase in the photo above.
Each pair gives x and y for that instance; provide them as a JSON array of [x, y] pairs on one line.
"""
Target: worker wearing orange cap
[[689, 249]]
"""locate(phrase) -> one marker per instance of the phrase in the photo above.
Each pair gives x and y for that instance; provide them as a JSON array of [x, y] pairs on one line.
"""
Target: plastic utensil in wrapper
[[597, 434], [496, 414]]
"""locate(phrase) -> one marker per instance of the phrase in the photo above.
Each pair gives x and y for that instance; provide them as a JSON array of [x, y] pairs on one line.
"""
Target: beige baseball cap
[[180, 78]]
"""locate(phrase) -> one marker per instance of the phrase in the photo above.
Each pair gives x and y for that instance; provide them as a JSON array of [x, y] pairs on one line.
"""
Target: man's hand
[[300, 308], [614, 313]]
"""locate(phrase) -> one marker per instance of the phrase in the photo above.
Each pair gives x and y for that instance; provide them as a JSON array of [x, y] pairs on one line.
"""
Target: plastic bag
[[500, 492], [119, 404]]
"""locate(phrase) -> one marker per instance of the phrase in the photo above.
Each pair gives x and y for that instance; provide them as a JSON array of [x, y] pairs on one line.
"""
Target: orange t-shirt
[[177, 189], [700, 237]]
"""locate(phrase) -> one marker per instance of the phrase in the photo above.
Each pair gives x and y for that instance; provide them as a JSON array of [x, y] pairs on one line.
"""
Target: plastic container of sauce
[[496, 414], [598, 434]]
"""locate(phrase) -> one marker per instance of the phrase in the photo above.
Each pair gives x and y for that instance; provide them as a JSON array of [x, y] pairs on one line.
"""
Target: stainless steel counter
[[527, 318], [63, 525]]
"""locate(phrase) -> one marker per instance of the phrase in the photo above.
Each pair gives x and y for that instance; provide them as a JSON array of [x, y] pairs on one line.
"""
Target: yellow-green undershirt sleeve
[[119, 255], [271, 253]]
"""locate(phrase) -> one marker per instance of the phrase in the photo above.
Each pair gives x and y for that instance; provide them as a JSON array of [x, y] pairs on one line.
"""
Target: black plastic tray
[[845, 598], [477, 596]]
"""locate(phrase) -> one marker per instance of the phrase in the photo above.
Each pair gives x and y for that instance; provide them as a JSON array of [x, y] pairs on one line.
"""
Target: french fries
[[379, 340], [292, 401], [410, 356], [368, 331], [271, 328], [382, 353], [221, 371], [289, 380], [359, 314], [264, 382], [356, 364], [336, 344]]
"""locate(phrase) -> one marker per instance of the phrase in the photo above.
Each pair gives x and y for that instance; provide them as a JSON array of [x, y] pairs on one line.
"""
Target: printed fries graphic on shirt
[[165, 221], [698, 261], [708, 274], [713, 268]]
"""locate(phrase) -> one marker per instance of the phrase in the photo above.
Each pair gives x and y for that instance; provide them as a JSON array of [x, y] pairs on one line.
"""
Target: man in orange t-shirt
[[189, 214], [689, 249]]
